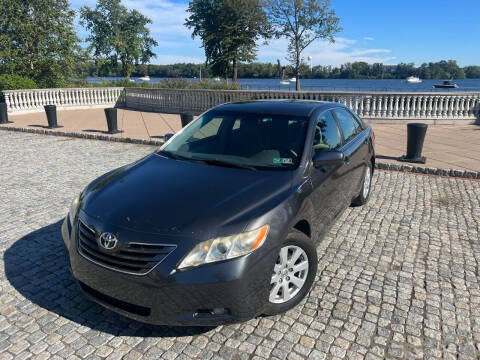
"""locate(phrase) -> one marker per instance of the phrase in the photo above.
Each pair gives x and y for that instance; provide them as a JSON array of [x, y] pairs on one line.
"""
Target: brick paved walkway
[[398, 278]]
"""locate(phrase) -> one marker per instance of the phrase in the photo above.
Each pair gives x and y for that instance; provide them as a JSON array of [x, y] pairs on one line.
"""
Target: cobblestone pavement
[[398, 278]]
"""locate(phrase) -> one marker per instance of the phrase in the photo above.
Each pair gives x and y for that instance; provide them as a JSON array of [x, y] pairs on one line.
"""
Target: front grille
[[132, 258]]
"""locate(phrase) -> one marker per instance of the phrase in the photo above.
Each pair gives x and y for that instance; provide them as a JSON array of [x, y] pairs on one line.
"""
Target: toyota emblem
[[108, 241]]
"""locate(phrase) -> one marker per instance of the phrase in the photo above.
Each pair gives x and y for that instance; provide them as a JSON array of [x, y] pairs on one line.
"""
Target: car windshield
[[256, 141]]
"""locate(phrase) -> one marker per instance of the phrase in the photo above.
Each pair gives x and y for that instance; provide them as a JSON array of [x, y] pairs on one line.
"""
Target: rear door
[[355, 150]]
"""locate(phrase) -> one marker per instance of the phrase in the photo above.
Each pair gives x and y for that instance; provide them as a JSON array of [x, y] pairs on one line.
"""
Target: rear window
[[349, 126]]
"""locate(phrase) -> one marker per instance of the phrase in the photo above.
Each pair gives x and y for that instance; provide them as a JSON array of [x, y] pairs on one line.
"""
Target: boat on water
[[413, 80], [293, 79], [284, 82], [216, 79], [144, 78], [447, 84]]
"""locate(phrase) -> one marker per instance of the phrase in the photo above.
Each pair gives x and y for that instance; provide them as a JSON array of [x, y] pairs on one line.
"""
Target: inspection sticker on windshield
[[287, 161]]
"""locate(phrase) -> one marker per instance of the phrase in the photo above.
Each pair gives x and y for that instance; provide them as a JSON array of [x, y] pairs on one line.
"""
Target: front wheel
[[364, 195], [293, 273]]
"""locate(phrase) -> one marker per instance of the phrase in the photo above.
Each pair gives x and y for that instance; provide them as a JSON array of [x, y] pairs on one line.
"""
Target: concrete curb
[[83, 136], [466, 174]]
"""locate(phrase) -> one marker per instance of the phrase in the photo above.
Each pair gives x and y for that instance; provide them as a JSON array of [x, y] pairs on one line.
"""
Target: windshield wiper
[[227, 164], [171, 155]]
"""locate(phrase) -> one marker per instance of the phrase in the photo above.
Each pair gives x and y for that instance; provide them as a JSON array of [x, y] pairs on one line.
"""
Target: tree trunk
[[297, 73], [235, 71]]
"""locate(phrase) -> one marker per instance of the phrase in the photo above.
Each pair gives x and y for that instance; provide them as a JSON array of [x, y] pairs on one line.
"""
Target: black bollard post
[[111, 115], [186, 118], [415, 139], [51, 111], [4, 114]]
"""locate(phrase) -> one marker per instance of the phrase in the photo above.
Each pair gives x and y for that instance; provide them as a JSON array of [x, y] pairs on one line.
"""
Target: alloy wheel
[[366, 182], [289, 274]]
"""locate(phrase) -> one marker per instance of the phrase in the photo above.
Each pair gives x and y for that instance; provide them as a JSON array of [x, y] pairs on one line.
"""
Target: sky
[[384, 31]]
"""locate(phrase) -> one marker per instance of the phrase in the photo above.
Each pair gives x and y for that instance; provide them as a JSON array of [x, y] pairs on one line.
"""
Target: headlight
[[224, 248], [74, 209]]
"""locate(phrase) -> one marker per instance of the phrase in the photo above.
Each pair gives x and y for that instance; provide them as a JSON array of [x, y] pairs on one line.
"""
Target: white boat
[[216, 79], [144, 78], [293, 79], [285, 82], [413, 80]]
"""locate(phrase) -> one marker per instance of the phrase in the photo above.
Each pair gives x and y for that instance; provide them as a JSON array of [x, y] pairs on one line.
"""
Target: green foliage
[[472, 72], [200, 84], [38, 40], [302, 22], [117, 35], [229, 30], [441, 70], [14, 82]]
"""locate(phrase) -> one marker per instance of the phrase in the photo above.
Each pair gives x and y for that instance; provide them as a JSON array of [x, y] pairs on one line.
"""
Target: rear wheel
[[364, 195], [293, 273]]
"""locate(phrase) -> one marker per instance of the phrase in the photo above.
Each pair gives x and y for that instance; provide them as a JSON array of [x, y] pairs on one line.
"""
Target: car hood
[[160, 195]]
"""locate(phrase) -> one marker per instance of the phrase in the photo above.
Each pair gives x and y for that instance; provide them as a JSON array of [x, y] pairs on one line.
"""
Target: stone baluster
[[33, 102], [7, 100], [408, 106], [379, 106], [429, 106], [468, 111], [15, 101], [422, 106], [390, 105], [462, 107], [360, 106], [450, 107], [456, 107], [435, 107], [373, 112], [395, 106], [441, 105]]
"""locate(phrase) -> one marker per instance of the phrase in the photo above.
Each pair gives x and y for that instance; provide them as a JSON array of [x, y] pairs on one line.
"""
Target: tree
[[118, 35], [229, 30], [38, 40], [302, 22]]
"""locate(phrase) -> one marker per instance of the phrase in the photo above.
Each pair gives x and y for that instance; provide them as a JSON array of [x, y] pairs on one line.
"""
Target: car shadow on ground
[[37, 267]]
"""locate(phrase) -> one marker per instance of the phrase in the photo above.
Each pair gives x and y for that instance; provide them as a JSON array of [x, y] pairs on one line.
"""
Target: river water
[[468, 85]]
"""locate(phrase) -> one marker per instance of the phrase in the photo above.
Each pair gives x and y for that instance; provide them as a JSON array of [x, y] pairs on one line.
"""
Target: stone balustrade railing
[[23, 101], [434, 107]]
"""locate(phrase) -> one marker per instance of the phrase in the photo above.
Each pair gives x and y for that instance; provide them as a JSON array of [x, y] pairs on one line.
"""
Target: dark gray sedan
[[221, 224]]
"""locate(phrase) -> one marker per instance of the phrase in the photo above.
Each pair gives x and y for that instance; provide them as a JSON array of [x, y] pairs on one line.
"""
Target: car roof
[[293, 107]]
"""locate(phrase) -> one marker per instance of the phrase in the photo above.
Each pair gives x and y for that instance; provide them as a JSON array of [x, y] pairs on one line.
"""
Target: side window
[[360, 121], [350, 127], [327, 136]]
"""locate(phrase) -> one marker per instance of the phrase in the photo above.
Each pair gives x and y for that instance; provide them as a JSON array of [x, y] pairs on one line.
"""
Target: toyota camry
[[221, 224]]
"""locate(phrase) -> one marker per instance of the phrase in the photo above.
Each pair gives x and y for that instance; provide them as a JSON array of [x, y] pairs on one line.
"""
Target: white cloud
[[174, 59], [368, 38], [343, 50]]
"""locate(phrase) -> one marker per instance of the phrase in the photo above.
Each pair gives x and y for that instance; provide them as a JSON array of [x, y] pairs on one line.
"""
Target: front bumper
[[225, 292]]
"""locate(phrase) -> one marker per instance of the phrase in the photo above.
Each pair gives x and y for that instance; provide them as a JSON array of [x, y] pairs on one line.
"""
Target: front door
[[327, 181]]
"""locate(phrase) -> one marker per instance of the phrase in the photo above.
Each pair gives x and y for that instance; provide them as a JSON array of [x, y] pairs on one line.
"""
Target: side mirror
[[328, 158], [167, 137]]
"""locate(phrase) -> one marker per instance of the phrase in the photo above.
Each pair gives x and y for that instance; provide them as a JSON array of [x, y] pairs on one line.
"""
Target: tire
[[364, 195], [295, 240]]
